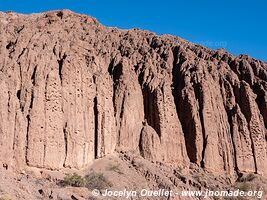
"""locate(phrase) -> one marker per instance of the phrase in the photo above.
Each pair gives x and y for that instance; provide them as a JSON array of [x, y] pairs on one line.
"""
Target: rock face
[[73, 91]]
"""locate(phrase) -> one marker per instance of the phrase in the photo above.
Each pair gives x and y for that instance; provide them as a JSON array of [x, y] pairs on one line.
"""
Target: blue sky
[[238, 26]]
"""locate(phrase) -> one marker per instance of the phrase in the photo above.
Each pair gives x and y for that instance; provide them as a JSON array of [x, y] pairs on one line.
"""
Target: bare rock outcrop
[[73, 91], [150, 147]]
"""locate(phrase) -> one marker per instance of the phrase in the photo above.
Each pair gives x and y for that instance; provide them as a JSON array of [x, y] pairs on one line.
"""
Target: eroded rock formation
[[73, 91]]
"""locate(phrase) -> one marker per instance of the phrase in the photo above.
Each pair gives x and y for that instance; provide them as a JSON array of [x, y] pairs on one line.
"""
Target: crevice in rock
[[41, 192], [19, 94], [96, 129], [22, 52], [73, 197], [141, 150], [34, 75], [110, 67], [31, 101], [8, 101], [54, 49], [121, 116], [101, 145], [60, 14], [11, 47], [14, 132], [110, 70], [28, 126], [46, 124], [115, 72], [27, 139], [94, 80], [65, 142], [19, 29], [189, 129], [60, 65], [151, 109], [5, 166], [122, 106], [141, 78], [176, 77], [199, 98], [230, 114]]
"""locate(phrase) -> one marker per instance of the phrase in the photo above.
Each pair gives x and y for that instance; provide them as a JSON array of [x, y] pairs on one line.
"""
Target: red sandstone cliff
[[73, 91]]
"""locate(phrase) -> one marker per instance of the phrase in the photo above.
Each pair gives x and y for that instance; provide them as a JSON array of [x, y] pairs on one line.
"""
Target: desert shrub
[[74, 180], [115, 168], [5, 197], [248, 178], [97, 181], [244, 186], [92, 198], [179, 169]]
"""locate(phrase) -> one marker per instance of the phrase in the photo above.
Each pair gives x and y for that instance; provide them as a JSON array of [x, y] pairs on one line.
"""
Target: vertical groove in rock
[[110, 71], [22, 52], [231, 110], [65, 142], [199, 98], [33, 77], [176, 82], [115, 71], [230, 121], [121, 116], [27, 139], [182, 105], [60, 65], [151, 109], [244, 106], [96, 129]]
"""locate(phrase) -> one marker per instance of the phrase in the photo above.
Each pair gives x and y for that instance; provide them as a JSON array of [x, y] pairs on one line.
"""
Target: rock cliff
[[73, 91]]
